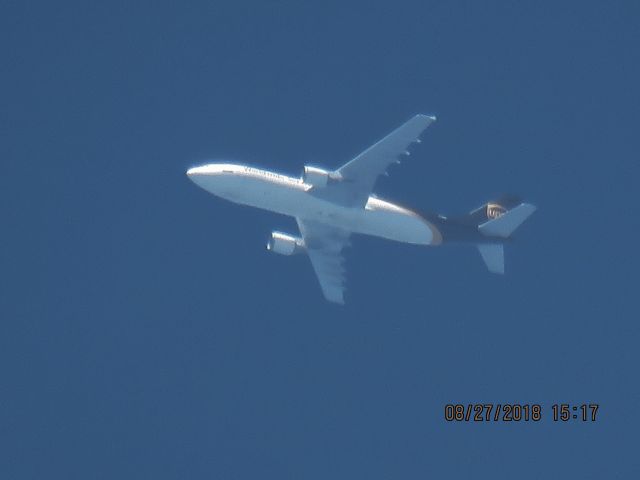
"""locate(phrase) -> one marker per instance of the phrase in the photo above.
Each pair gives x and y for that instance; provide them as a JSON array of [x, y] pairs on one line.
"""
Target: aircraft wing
[[360, 174], [324, 245]]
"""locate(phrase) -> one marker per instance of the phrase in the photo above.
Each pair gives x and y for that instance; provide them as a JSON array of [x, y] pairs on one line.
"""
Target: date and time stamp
[[514, 412]]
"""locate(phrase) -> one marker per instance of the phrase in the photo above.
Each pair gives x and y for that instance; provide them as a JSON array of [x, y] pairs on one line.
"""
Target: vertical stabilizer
[[493, 256]]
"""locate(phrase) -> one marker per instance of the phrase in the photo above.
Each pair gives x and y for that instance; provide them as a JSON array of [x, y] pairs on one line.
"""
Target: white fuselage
[[292, 196]]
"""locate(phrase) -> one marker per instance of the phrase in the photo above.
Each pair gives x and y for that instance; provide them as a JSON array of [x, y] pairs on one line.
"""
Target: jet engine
[[285, 244], [317, 177]]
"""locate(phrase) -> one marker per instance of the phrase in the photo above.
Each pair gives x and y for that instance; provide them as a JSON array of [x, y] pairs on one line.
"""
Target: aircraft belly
[[398, 226], [261, 194], [401, 226]]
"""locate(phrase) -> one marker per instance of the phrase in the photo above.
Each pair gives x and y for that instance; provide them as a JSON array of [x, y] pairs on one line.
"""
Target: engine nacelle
[[316, 176], [285, 244]]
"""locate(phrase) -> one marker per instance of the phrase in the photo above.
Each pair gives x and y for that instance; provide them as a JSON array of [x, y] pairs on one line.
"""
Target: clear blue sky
[[146, 333]]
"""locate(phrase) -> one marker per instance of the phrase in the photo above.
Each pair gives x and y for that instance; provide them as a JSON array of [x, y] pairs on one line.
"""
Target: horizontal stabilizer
[[493, 256], [504, 225]]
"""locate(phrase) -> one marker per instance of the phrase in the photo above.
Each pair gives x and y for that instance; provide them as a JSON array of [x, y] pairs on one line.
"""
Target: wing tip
[[429, 117], [335, 297]]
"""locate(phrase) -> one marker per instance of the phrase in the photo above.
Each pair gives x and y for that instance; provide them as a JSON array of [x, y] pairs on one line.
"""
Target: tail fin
[[499, 220], [493, 256]]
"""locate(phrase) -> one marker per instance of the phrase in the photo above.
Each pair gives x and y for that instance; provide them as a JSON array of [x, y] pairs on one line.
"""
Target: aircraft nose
[[196, 174], [205, 176], [192, 172]]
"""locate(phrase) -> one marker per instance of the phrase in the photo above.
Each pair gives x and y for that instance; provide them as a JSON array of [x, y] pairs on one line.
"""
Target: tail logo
[[494, 210]]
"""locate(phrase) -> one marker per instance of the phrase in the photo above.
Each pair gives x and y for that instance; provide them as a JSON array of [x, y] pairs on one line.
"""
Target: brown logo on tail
[[494, 210]]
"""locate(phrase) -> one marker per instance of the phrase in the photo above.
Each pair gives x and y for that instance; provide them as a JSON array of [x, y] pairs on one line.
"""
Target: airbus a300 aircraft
[[329, 206]]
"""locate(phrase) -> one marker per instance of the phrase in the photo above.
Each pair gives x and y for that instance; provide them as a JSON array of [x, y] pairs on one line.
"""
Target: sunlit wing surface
[[358, 177], [324, 244]]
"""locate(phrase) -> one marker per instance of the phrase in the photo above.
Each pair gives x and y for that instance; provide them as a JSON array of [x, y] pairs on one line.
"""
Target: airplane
[[331, 205]]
